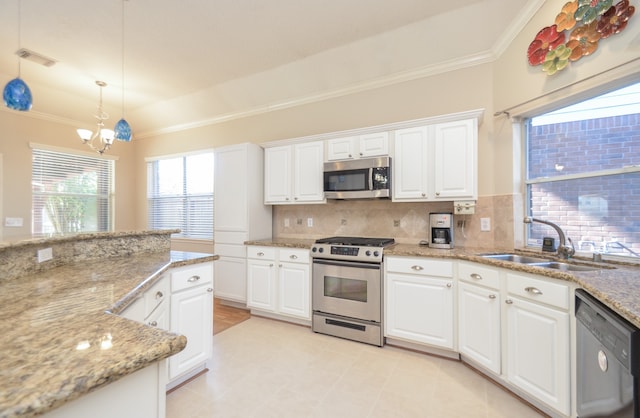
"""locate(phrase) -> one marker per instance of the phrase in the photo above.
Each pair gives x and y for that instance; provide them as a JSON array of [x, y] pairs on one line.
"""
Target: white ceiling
[[197, 61]]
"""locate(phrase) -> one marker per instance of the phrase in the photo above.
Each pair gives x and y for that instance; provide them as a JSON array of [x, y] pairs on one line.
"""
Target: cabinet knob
[[286, 198], [260, 254], [492, 296], [293, 257], [533, 290], [159, 295], [449, 285], [271, 265], [475, 276], [280, 265], [424, 194], [209, 289], [361, 154], [295, 198], [417, 268], [193, 279], [153, 323], [437, 193], [508, 301], [350, 156]]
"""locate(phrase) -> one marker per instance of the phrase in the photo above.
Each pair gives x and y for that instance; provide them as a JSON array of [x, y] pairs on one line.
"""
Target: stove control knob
[[321, 249], [376, 253], [368, 253], [314, 249]]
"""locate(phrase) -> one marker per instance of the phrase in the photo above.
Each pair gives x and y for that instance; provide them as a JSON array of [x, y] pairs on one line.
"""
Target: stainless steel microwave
[[363, 178]]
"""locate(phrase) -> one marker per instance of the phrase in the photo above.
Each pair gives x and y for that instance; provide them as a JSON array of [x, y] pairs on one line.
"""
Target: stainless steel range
[[347, 287]]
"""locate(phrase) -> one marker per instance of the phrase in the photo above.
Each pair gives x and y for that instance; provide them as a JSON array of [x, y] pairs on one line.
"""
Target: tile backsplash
[[406, 222]]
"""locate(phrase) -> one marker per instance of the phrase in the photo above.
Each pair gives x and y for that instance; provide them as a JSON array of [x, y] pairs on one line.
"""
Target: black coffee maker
[[441, 230]]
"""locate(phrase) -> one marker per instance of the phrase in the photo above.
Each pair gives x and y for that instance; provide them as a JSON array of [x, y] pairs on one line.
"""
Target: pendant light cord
[[19, 32], [122, 58]]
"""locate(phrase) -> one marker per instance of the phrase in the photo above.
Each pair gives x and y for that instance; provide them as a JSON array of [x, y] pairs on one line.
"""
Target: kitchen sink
[[515, 258], [563, 266], [539, 262]]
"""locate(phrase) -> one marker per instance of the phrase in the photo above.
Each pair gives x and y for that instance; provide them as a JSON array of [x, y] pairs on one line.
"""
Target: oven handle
[[370, 178], [373, 266]]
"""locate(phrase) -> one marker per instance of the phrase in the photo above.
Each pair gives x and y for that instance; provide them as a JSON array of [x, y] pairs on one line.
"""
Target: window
[[70, 193], [583, 173], [180, 194]]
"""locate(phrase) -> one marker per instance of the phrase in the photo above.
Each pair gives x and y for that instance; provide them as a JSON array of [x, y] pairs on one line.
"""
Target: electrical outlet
[[343, 221], [309, 222], [396, 223], [485, 224], [286, 222], [45, 254], [299, 221]]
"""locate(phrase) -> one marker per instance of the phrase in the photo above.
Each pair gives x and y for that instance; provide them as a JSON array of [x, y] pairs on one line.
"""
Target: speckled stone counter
[[47, 316], [618, 288]]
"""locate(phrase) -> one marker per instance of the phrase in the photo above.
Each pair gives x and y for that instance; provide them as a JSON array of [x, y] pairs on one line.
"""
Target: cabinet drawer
[[190, 276], [291, 255], [421, 266], [156, 295], [230, 250], [480, 275], [554, 294], [261, 253]]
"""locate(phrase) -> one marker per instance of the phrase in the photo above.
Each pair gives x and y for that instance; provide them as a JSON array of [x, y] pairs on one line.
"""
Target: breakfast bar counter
[[61, 336]]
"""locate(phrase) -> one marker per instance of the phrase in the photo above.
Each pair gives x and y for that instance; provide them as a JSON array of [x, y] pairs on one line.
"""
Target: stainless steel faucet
[[564, 251]]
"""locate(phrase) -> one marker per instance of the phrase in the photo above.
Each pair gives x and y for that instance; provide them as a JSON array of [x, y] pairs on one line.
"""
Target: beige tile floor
[[266, 368]]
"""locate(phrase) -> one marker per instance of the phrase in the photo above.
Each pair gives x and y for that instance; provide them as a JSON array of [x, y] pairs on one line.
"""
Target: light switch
[[485, 224], [13, 222]]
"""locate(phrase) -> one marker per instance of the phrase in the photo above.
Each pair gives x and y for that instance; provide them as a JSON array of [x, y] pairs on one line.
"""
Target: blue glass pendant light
[[16, 93], [122, 129]]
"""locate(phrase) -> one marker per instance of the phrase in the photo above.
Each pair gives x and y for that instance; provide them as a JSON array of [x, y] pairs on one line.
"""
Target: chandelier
[[101, 139]]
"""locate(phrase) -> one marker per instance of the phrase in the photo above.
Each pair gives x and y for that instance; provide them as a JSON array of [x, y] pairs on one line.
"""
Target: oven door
[[349, 289]]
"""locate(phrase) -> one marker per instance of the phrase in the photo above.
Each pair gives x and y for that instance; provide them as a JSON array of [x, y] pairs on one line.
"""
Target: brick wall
[[601, 209]]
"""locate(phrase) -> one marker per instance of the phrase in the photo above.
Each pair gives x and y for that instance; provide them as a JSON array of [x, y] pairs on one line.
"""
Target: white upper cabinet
[[436, 162], [363, 146], [455, 159], [293, 174]]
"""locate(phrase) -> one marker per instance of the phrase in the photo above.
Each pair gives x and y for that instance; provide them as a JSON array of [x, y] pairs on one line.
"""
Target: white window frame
[[182, 236], [110, 218]]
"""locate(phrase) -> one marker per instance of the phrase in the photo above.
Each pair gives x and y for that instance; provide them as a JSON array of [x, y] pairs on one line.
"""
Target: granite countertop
[[618, 288], [46, 315]]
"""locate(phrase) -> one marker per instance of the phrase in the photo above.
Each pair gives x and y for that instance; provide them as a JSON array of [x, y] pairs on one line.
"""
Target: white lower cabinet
[[191, 316], [419, 301], [538, 349], [278, 281]]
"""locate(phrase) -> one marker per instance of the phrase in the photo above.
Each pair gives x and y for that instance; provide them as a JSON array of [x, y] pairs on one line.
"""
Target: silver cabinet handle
[[424, 194], [271, 265], [417, 268], [280, 265], [193, 279], [361, 154], [475, 276], [260, 254], [437, 193], [293, 257], [286, 198], [209, 289], [533, 290], [153, 323], [295, 198], [350, 156], [508, 301], [492, 296], [159, 295], [449, 285]]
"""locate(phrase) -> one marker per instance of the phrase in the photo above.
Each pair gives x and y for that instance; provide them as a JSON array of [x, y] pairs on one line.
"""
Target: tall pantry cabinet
[[239, 215]]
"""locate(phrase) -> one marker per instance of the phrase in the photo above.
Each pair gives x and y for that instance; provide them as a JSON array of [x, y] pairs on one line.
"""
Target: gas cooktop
[[358, 241]]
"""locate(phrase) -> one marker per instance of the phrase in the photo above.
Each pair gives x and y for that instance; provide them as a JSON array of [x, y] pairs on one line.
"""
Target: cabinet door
[[341, 148], [455, 160], [410, 179], [293, 290], [373, 145], [277, 174], [420, 309], [261, 284], [231, 278], [308, 175], [231, 188], [192, 316], [160, 317], [538, 352], [479, 325]]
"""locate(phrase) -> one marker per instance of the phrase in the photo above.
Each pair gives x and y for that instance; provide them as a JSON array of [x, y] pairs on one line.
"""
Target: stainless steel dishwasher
[[606, 361]]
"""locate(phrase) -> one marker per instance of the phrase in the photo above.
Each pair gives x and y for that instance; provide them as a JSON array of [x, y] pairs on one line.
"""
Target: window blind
[[70, 193], [180, 195]]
